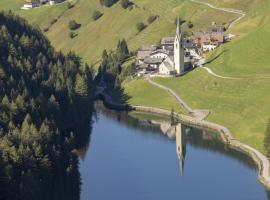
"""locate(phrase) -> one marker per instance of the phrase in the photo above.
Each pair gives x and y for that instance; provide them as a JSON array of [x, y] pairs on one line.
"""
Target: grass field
[[248, 56], [41, 16], [116, 22], [156, 98], [241, 105]]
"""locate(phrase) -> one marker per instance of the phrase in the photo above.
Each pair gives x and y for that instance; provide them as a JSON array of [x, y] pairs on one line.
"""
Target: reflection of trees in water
[[210, 140], [126, 120]]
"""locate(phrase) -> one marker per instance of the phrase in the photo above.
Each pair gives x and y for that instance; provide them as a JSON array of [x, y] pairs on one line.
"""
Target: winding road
[[229, 10], [216, 75], [198, 114]]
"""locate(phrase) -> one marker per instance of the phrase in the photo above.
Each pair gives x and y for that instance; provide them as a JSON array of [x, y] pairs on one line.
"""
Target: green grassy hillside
[[94, 36], [39, 16], [242, 105], [156, 98], [248, 56]]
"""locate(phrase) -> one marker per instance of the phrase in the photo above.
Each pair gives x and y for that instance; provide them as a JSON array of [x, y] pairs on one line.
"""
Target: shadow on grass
[[119, 96]]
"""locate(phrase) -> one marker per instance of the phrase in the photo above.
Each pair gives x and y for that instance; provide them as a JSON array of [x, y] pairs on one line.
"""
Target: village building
[[211, 39], [172, 58], [28, 4], [167, 43]]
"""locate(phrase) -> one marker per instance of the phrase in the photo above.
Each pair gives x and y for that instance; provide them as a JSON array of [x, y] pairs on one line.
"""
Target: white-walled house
[[167, 67], [208, 47], [159, 53], [28, 4]]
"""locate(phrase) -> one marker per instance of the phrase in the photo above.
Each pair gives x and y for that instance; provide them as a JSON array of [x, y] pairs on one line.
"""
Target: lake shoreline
[[261, 160]]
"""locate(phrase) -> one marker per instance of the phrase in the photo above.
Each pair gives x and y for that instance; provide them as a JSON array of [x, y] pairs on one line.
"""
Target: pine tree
[[81, 87]]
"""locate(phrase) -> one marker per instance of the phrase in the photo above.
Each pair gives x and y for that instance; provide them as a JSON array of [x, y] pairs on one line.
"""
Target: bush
[[72, 34], [53, 21], [96, 15], [107, 3], [190, 24], [182, 21], [70, 5], [46, 29], [152, 18], [140, 26], [125, 3], [73, 25]]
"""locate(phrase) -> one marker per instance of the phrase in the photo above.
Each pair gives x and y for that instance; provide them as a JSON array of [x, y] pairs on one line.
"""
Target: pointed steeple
[[178, 29], [180, 147]]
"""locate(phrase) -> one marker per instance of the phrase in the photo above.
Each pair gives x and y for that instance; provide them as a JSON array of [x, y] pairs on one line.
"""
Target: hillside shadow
[[119, 96]]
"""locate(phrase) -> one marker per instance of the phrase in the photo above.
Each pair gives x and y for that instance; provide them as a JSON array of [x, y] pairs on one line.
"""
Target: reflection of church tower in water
[[180, 146]]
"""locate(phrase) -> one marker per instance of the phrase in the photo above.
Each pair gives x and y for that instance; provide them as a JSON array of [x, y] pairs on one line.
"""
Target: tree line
[[46, 102]]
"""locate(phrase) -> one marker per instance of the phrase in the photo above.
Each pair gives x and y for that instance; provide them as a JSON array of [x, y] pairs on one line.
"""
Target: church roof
[[178, 29], [167, 41], [168, 65], [160, 51], [149, 60], [143, 54]]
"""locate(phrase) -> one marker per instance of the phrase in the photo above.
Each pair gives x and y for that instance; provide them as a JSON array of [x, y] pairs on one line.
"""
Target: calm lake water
[[127, 159]]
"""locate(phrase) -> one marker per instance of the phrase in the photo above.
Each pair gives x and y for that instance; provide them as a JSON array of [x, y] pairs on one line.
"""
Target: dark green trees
[[107, 3], [111, 64], [122, 51], [126, 3], [42, 95]]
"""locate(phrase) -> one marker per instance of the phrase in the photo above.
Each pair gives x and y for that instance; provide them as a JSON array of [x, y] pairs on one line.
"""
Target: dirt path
[[216, 75], [229, 10], [198, 114]]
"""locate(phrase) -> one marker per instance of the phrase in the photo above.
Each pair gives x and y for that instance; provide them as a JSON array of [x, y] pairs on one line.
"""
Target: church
[[175, 64], [170, 58]]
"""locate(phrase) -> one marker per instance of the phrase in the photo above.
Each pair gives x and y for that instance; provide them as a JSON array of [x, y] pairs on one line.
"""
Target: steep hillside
[[41, 17], [116, 22]]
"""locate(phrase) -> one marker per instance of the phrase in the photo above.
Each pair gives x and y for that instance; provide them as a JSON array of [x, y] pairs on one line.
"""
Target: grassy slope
[[39, 16], [116, 23], [156, 98], [241, 105]]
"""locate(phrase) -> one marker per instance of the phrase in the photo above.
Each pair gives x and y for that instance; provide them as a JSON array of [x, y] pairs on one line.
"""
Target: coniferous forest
[[46, 102]]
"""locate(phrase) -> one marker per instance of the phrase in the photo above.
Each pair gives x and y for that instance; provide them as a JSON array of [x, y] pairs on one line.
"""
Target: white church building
[[175, 64], [171, 59]]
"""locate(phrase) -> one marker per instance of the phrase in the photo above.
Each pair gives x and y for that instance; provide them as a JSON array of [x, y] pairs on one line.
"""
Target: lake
[[131, 159]]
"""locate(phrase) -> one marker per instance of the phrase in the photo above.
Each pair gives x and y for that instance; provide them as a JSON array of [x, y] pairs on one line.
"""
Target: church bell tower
[[179, 64]]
